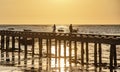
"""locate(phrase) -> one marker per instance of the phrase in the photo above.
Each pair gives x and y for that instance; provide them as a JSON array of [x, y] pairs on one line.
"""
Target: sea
[[81, 29]]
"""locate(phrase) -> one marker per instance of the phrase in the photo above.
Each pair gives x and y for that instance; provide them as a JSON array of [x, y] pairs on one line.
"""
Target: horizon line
[[57, 24]]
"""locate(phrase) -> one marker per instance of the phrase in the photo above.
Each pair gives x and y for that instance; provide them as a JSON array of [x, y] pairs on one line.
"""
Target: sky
[[60, 12]]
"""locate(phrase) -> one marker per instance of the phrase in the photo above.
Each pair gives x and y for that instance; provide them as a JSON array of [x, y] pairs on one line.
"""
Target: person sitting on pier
[[54, 28], [70, 28]]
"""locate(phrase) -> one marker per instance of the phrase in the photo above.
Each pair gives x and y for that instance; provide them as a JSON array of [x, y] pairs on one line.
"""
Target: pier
[[20, 45]]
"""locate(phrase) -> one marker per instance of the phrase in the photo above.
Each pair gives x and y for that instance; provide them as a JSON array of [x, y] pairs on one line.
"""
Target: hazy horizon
[[60, 24]]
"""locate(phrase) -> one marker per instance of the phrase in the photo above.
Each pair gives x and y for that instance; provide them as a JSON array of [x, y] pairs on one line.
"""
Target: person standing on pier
[[54, 28], [70, 28]]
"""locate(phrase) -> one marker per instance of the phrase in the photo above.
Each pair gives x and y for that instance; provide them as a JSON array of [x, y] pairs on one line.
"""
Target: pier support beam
[[95, 54], [7, 47], [55, 52], [19, 49], [40, 54], [75, 51], [59, 53], [87, 53], [50, 54], [100, 54], [2, 47], [70, 53], [65, 54], [13, 49], [25, 54], [113, 56], [33, 49], [47, 47], [82, 53]]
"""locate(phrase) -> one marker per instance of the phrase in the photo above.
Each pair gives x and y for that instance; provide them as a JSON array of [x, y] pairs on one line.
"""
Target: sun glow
[[61, 2]]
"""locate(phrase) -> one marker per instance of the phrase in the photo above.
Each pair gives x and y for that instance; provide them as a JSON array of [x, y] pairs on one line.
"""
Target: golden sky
[[59, 11]]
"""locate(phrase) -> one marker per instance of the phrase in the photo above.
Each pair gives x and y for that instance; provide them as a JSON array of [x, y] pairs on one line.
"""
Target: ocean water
[[93, 29], [82, 29]]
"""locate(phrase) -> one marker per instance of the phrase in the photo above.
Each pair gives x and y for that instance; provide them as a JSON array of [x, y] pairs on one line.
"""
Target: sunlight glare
[[60, 2]]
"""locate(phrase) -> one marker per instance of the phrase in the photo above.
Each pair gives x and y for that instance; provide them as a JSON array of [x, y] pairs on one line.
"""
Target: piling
[[59, 53], [95, 54], [75, 52], [87, 54], [82, 53], [70, 53], [25, 50], [100, 54], [65, 54], [50, 54], [55, 53], [2, 47], [33, 48], [13, 49], [40, 54], [111, 56], [115, 56], [19, 49], [7, 47], [47, 46]]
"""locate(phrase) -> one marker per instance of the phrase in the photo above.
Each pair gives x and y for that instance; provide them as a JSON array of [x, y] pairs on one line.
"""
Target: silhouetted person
[[70, 28], [54, 28]]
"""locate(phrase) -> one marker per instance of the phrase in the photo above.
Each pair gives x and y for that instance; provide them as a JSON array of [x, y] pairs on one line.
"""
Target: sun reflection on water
[[61, 59]]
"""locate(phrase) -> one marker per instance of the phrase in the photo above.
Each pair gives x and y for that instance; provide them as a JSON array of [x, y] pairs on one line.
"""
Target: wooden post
[[115, 56], [55, 52], [87, 54], [2, 47], [40, 54], [47, 45], [19, 49], [65, 54], [59, 53], [111, 56], [7, 47], [70, 53], [33, 53], [100, 55], [95, 54], [82, 53], [25, 56], [75, 51], [50, 53], [13, 49]]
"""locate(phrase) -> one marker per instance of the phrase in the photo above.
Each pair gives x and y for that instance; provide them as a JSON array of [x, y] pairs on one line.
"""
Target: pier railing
[[71, 39]]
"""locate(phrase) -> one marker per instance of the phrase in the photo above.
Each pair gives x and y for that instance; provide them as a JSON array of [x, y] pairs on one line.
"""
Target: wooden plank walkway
[[91, 38]]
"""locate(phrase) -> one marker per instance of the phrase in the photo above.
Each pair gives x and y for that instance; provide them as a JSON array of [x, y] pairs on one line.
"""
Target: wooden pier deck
[[59, 38]]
